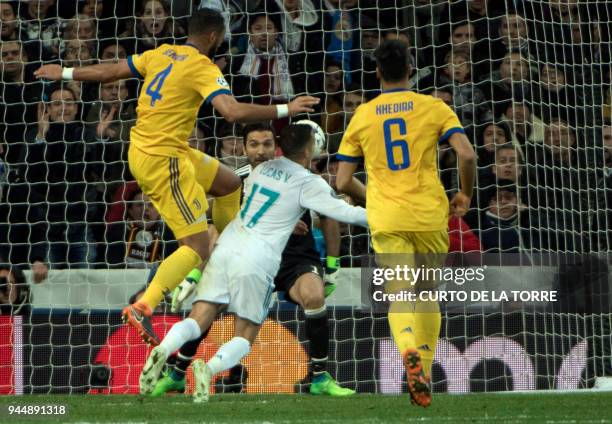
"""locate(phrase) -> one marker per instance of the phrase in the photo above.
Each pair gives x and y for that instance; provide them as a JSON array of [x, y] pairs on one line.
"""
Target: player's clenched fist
[[302, 104], [49, 72], [460, 204]]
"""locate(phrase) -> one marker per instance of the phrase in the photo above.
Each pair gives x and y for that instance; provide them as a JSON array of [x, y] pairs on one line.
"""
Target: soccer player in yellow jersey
[[396, 135], [177, 80]]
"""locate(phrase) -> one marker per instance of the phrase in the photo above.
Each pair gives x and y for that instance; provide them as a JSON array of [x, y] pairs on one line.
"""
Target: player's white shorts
[[232, 277]]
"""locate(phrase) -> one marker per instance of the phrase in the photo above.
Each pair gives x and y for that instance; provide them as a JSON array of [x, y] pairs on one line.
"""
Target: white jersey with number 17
[[276, 194]]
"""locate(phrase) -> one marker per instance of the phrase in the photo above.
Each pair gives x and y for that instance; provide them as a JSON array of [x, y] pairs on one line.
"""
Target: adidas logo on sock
[[424, 347], [407, 330]]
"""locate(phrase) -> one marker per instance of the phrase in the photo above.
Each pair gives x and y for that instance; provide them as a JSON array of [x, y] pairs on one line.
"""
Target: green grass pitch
[[541, 408]]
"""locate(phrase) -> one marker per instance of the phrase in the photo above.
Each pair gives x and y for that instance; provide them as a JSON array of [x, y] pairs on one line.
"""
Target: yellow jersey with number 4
[[396, 135], [177, 80]]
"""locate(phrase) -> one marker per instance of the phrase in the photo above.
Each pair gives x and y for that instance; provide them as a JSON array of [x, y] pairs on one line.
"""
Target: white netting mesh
[[530, 81]]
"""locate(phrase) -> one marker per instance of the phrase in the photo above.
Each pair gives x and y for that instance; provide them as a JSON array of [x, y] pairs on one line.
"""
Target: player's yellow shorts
[[415, 249], [410, 241], [176, 186]]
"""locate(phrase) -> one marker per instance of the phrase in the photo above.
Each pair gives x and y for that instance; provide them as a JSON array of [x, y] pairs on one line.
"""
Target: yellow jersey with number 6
[[177, 80], [396, 135]]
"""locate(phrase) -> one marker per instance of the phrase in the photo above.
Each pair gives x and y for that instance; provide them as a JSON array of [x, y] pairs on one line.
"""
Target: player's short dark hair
[[390, 56], [256, 127], [294, 139], [206, 20]]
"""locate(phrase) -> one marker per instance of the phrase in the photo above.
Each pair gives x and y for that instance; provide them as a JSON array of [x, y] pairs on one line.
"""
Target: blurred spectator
[[499, 230], [92, 8], [461, 238], [19, 95], [603, 218], [607, 144], [14, 291], [554, 168], [301, 34], [526, 127], [443, 94], [370, 40], [340, 22], [490, 136], [513, 33], [141, 239], [424, 17], [61, 161], [39, 22], [154, 26], [116, 207], [235, 12], [18, 108], [112, 118], [511, 80], [507, 164], [463, 38], [553, 33], [263, 72], [112, 52], [555, 97], [471, 25], [331, 111], [80, 27], [470, 104], [196, 140], [230, 148], [77, 53], [353, 98], [4, 171], [8, 22], [479, 13]]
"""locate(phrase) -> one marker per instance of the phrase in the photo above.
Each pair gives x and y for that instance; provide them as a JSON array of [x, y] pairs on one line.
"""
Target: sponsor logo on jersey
[[221, 81]]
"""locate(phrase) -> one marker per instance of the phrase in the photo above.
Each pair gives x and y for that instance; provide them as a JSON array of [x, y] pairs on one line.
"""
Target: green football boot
[[168, 384], [324, 384]]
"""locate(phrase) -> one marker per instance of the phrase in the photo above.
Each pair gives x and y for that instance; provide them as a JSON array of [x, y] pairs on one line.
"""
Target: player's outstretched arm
[[234, 111], [466, 157], [104, 72], [317, 195], [348, 184]]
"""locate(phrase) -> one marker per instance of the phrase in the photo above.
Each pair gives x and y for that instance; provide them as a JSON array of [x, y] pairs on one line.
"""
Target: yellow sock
[[170, 273], [401, 322], [225, 208], [427, 320]]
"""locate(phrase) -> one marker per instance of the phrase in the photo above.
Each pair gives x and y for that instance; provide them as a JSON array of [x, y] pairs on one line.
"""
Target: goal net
[[530, 82]]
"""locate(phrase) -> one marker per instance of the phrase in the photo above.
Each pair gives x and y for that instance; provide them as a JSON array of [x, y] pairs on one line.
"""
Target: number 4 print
[[155, 86]]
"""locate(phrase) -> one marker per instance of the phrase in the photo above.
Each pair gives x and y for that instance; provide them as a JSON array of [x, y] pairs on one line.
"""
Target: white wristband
[[282, 111], [67, 73]]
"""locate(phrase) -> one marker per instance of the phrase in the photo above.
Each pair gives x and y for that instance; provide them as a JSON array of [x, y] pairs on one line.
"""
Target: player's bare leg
[[308, 291], [193, 250], [228, 355], [188, 285], [226, 187], [199, 320]]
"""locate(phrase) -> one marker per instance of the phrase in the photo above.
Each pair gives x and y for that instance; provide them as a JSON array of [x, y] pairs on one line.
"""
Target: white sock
[[229, 355], [179, 334]]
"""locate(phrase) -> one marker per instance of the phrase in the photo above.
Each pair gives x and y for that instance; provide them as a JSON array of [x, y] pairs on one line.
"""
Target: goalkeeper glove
[[331, 274], [185, 289]]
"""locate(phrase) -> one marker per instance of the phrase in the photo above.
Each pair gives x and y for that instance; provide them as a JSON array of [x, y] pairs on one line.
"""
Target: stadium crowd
[[530, 81]]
